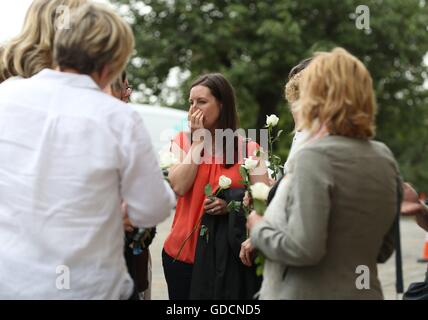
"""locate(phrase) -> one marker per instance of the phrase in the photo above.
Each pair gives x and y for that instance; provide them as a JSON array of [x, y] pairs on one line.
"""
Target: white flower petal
[[272, 120], [260, 191], [224, 182]]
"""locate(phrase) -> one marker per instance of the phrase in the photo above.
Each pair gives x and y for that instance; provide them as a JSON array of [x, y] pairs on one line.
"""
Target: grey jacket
[[331, 221]]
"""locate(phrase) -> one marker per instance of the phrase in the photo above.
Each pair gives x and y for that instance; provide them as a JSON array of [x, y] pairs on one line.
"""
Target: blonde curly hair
[[291, 89]]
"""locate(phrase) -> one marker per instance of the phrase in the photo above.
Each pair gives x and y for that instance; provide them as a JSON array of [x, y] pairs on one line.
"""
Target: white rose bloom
[[224, 182], [167, 159], [260, 191], [272, 120], [250, 164]]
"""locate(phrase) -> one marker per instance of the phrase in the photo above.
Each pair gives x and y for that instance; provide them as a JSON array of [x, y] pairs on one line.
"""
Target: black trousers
[[178, 276]]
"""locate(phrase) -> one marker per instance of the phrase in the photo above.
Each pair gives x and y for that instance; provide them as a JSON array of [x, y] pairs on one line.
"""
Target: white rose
[[260, 191], [272, 120], [224, 182], [250, 164], [167, 159]]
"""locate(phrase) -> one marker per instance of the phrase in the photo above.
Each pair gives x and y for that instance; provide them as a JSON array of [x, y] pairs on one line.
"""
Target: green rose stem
[[274, 160], [261, 192], [188, 237]]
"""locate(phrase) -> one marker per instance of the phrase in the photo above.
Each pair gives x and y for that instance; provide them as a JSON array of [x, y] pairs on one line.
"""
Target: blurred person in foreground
[[77, 153], [335, 210]]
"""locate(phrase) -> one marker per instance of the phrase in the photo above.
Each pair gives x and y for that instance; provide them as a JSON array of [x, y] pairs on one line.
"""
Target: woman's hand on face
[[246, 253], [216, 207], [196, 119], [253, 219]]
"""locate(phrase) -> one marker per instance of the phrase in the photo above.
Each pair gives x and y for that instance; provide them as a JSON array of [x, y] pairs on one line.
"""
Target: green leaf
[[234, 206], [260, 262], [260, 206], [203, 231], [208, 190], [277, 136], [244, 173]]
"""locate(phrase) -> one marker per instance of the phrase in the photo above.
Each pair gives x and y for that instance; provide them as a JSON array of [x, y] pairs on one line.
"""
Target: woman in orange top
[[212, 106]]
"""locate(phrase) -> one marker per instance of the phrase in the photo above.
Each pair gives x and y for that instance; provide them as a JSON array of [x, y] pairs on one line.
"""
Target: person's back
[[363, 207], [59, 190], [69, 154]]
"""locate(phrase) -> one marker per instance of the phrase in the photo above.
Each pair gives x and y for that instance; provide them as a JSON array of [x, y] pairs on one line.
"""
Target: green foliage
[[204, 232], [234, 206], [208, 190], [256, 43], [260, 263]]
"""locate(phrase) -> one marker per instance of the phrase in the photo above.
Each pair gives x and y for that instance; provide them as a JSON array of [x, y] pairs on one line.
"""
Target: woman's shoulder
[[337, 145], [381, 148], [340, 148]]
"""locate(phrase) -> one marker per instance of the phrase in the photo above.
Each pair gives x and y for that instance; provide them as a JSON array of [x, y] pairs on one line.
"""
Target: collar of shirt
[[67, 78]]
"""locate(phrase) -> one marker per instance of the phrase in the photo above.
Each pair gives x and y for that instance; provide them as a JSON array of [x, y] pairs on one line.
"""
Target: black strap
[[399, 283]]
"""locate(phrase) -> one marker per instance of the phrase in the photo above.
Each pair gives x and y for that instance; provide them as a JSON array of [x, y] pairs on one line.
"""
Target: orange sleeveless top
[[190, 207]]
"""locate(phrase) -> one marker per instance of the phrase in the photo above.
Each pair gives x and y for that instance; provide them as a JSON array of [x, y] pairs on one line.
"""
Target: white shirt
[[69, 154]]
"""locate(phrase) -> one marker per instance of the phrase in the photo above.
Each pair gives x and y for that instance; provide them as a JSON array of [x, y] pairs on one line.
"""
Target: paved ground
[[412, 245]]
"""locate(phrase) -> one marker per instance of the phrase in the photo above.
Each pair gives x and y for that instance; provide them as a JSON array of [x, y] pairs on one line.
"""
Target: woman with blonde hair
[[31, 51], [334, 213]]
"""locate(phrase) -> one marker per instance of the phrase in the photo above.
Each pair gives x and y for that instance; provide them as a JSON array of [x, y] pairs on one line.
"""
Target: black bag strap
[[399, 283]]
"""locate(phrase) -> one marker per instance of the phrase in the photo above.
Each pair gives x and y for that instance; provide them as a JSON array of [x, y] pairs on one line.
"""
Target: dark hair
[[223, 91], [118, 84], [298, 68]]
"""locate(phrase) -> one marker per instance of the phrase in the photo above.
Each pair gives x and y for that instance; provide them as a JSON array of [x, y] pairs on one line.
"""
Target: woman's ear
[[102, 77]]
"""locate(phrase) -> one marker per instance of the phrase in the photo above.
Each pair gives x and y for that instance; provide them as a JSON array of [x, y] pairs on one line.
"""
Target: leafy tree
[[256, 43]]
